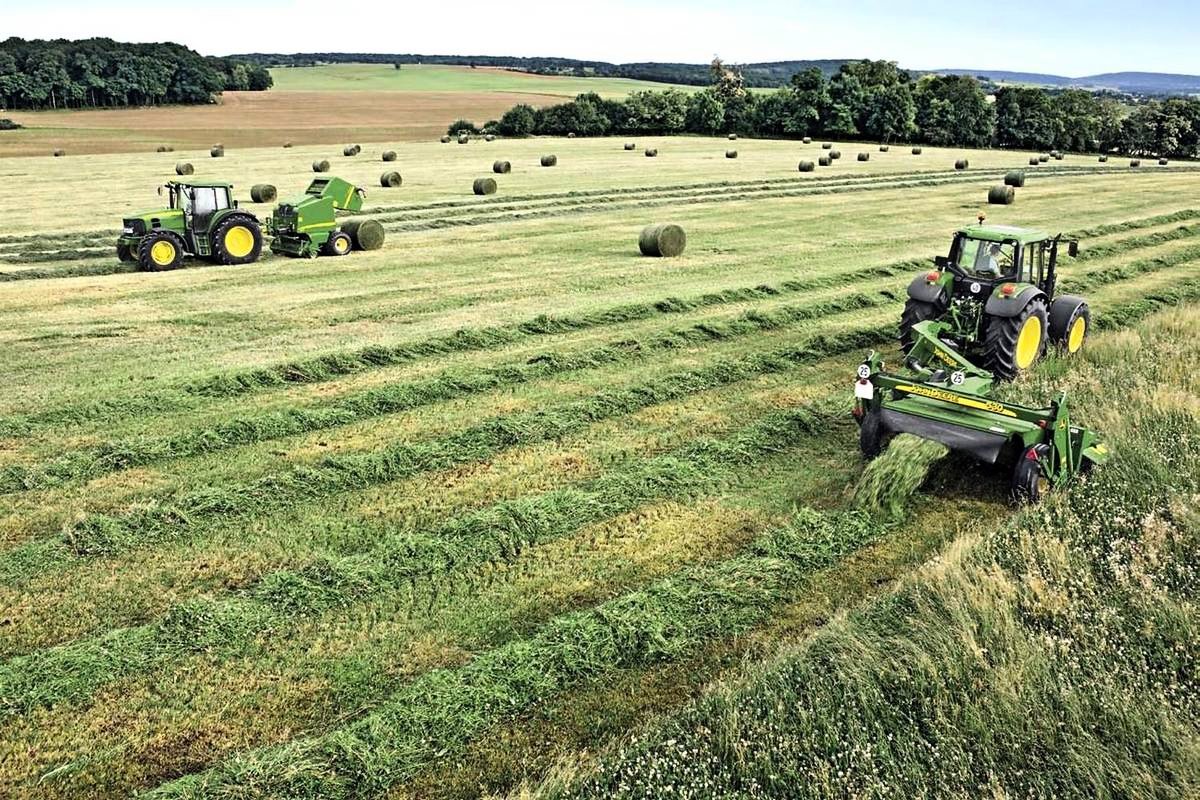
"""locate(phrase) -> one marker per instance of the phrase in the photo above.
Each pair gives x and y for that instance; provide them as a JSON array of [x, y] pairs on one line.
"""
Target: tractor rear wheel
[[237, 240], [338, 244], [160, 251], [1029, 483], [1013, 344], [914, 311], [125, 253]]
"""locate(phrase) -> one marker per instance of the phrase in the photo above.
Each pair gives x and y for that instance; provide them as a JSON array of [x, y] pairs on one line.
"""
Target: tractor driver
[[988, 262]]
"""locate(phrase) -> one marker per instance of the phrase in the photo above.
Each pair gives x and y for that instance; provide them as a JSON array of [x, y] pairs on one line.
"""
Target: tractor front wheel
[[914, 311], [338, 244], [237, 240], [160, 251], [1013, 344], [1029, 483], [1070, 326], [125, 253]]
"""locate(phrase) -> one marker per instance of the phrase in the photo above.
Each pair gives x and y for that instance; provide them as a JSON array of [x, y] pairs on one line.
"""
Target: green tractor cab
[[944, 397], [995, 292], [308, 227], [202, 220]]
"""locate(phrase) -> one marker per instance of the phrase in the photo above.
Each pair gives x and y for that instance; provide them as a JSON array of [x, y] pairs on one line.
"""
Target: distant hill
[[1134, 82], [762, 75]]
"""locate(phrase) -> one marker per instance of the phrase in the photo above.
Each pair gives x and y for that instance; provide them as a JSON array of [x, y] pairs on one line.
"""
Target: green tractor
[[995, 292], [202, 220]]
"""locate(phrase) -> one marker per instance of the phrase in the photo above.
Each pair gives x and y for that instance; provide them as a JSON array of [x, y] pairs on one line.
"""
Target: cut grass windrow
[[169, 520], [442, 709], [1087, 253], [348, 362], [493, 535], [92, 462]]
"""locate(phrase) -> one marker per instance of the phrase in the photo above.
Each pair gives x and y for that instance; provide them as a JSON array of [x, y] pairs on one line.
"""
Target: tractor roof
[[202, 184], [1005, 233]]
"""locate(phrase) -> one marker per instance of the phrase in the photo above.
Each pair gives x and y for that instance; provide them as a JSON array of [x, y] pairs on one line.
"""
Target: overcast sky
[[1067, 37]]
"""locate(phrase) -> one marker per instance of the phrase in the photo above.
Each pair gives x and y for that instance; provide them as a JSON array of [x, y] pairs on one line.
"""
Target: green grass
[[420, 78], [450, 516]]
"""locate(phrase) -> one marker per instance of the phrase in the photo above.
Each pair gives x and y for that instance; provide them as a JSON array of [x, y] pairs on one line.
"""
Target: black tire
[[1070, 324], [226, 251], [1000, 342], [125, 253], [151, 257], [872, 436], [339, 243], [914, 311], [1028, 482]]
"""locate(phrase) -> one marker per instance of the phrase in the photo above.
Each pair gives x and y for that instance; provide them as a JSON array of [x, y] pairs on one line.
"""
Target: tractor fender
[[223, 214], [1061, 311], [1000, 306], [923, 291]]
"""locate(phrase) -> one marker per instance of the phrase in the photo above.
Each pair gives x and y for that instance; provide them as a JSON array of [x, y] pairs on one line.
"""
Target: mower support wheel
[[1013, 344], [1029, 483], [872, 436]]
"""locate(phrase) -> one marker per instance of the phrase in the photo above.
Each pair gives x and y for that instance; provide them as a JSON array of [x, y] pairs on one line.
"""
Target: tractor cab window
[[206, 201], [987, 259]]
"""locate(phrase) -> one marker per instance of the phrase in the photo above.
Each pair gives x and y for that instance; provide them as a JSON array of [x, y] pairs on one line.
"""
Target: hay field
[[450, 518], [309, 105]]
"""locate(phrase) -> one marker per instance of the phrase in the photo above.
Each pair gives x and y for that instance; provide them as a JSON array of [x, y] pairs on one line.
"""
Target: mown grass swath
[[105, 534], [1054, 657], [496, 534]]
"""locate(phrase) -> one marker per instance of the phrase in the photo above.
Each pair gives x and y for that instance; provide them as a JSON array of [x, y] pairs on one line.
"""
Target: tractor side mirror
[[1073, 249], [160, 191]]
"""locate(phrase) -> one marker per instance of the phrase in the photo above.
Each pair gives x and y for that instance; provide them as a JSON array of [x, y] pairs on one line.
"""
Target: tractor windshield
[[987, 259]]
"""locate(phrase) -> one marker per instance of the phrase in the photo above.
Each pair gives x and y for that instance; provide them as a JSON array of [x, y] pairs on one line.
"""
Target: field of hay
[[506, 508]]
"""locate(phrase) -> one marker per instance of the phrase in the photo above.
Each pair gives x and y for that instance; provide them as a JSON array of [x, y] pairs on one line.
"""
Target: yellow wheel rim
[[342, 246], [239, 241], [1075, 337], [1029, 342], [162, 253]]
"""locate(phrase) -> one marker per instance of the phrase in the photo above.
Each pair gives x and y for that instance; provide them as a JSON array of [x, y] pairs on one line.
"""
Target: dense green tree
[[520, 120], [808, 102], [953, 110], [1026, 118], [705, 113]]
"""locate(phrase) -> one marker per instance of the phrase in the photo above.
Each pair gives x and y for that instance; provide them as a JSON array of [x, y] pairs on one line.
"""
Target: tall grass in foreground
[[1056, 656]]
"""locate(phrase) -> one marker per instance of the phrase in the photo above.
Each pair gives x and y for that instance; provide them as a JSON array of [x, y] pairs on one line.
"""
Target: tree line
[[878, 101], [98, 73]]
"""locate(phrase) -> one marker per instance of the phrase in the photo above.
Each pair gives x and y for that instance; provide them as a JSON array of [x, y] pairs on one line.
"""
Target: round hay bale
[[835, 154], [484, 186], [962, 163], [733, 137], [389, 155], [571, 135], [549, 161], [1103, 159], [320, 166], [287, 145], [445, 140], [864, 156], [1033, 162], [501, 167], [916, 151], [1135, 162], [807, 140], [184, 168], [1002, 195], [217, 152], [163, 148], [58, 153], [807, 166], [827, 146], [651, 152], [662, 241], [391, 180], [464, 139], [491, 137], [263, 193], [883, 148], [1015, 178], [1162, 162], [731, 153], [351, 150], [1043, 159], [630, 146], [1059, 156], [825, 161], [366, 234]]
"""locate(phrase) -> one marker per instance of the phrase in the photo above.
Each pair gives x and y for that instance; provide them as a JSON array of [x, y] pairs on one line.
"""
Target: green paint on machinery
[[944, 395], [202, 220], [308, 226], [996, 292]]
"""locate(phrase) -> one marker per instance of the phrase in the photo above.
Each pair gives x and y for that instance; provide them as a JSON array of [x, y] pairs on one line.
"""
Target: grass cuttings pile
[[894, 476]]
